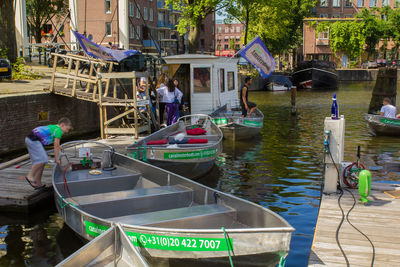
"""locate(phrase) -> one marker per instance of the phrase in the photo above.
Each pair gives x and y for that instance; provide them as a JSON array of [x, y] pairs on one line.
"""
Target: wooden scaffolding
[[89, 79]]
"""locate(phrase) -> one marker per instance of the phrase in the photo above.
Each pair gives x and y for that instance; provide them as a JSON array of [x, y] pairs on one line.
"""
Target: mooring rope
[[66, 203], [228, 245]]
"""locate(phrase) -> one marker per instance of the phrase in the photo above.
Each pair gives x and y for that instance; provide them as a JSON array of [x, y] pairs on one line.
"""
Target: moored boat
[[111, 248], [383, 126], [315, 74], [181, 148], [234, 126], [163, 214]]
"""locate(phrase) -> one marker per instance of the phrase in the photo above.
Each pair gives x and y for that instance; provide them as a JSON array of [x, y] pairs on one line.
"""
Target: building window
[[219, 38], [226, 39], [202, 27], [385, 2], [226, 46], [222, 80], [348, 3], [360, 3], [335, 15], [237, 28], [151, 14], [231, 80], [172, 19], [237, 38], [226, 29], [323, 35], [323, 15], [145, 13], [323, 3], [108, 28], [201, 80], [138, 11], [219, 47], [138, 32], [161, 35], [201, 43], [232, 29], [131, 31], [219, 29], [108, 6], [372, 3], [336, 3], [131, 9]]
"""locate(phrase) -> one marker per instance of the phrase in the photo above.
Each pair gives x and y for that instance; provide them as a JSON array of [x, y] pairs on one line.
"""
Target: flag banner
[[258, 55], [101, 52]]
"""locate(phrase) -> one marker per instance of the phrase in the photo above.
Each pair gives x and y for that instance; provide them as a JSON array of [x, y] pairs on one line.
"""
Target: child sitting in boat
[[388, 110]]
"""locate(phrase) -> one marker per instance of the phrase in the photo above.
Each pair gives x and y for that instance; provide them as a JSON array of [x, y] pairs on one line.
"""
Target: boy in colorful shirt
[[39, 137]]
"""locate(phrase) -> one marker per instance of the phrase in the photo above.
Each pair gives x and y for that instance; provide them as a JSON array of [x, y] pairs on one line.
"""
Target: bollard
[[40, 56], [334, 154]]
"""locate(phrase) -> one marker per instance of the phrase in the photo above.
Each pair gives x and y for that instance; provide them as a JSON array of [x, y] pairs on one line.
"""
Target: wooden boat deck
[[379, 220], [15, 192]]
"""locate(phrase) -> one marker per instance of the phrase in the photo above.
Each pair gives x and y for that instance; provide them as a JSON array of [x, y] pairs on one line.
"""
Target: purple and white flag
[[258, 55]]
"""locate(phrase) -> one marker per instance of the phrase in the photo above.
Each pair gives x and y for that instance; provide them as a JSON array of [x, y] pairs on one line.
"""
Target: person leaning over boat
[[172, 97], [244, 103], [162, 85], [388, 110], [39, 137]]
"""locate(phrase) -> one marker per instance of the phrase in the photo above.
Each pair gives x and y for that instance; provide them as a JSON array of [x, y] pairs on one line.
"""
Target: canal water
[[280, 169]]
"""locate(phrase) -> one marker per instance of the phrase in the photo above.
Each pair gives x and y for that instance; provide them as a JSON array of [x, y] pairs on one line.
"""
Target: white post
[[73, 9], [123, 24], [21, 28], [336, 147]]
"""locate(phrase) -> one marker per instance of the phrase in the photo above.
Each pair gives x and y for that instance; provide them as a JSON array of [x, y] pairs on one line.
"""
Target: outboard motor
[[107, 160]]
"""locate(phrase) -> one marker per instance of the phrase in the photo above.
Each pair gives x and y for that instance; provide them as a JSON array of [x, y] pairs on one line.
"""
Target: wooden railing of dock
[[116, 106]]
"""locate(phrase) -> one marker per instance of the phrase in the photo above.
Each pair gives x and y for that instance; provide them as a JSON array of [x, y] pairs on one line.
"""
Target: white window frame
[[336, 3], [323, 3], [138, 11], [131, 31], [360, 3], [110, 28], [131, 9], [151, 15], [145, 16], [105, 7], [138, 32]]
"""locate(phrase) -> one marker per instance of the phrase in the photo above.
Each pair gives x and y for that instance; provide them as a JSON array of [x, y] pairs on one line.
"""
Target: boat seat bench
[[121, 203], [197, 213]]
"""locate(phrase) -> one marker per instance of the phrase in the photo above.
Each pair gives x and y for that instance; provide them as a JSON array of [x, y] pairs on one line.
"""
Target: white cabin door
[[201, 78]]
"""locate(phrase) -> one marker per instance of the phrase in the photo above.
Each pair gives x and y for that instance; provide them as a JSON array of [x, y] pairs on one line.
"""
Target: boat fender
[[179, 137], [364, 185]]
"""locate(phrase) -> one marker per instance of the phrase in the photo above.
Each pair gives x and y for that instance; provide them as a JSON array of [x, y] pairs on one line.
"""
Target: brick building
[[228, 38], [317, 47], [150, 25]]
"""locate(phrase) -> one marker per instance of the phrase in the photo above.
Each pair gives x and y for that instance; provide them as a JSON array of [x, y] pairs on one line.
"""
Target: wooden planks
[[18, 196], [378, 220]]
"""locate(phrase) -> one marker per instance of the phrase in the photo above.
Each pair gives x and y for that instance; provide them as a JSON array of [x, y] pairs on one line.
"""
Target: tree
[[39, 12], [7, 28], [372, 30], [193, 13]]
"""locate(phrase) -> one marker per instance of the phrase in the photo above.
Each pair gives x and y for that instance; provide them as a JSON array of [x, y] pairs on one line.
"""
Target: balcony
[[165, 24], [150, 44]]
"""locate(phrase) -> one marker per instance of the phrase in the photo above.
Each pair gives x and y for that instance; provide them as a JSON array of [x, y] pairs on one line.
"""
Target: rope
[[66, 204], [136, 154], [228, 245], [282, 262], [65, 180]]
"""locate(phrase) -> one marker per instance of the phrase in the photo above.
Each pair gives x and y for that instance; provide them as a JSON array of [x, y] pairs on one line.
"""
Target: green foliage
[[22, 71], [4, 52], [277, 22], [232, 43]]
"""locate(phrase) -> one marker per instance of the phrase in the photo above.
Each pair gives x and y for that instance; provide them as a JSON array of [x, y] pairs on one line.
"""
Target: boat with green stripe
[[176, 149], [383, 126], [234, 126], [164, 215]]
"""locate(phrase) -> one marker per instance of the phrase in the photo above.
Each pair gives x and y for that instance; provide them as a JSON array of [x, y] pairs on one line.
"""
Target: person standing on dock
[[388, 110], [162, 86], [244, 103], [172, 97], [39, 137]]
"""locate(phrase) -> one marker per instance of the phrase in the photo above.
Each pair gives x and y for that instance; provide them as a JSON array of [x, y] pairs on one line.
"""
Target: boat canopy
[[207, 82]]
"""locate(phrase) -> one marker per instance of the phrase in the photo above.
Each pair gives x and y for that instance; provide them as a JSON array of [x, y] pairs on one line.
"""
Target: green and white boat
[[234, 126], [164, 215], [383, 126], [190, 159]]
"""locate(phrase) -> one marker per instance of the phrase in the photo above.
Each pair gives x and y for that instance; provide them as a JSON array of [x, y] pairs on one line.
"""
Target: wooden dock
[[16, 195], [379, 220]]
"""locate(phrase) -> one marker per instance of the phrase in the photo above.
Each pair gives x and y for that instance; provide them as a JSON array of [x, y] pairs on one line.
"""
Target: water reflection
[[280, 169]]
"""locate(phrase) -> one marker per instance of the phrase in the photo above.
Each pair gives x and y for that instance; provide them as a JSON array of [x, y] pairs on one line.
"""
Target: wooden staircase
[[90, 79]]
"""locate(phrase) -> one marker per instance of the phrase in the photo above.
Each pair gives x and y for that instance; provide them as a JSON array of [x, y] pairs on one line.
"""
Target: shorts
[[36, 151], [250, 105]]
